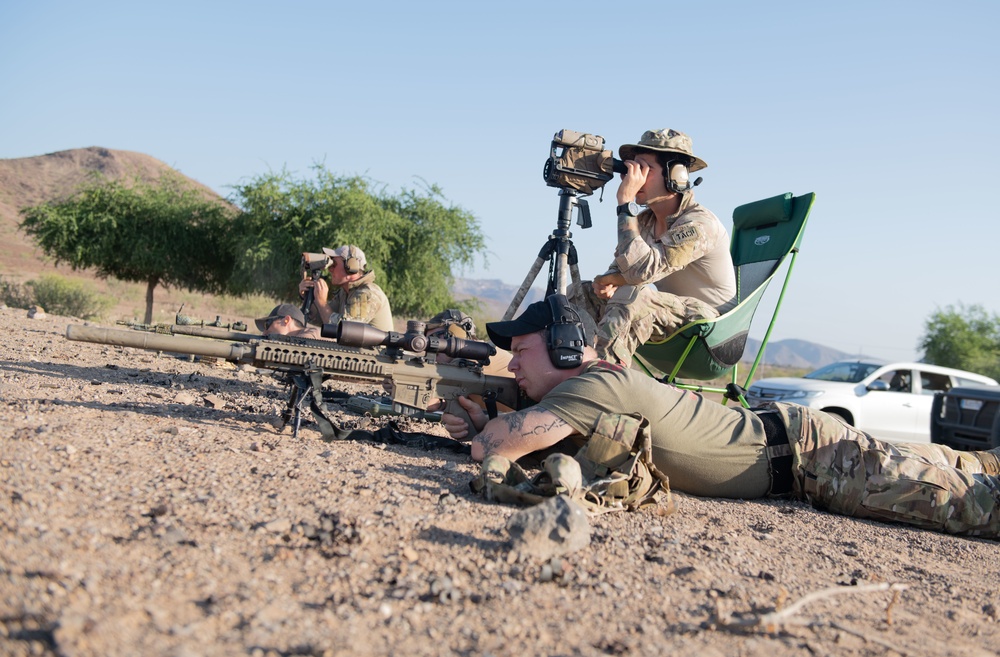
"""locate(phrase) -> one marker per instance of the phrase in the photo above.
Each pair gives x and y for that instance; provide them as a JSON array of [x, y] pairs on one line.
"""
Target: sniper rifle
[[418, 380]]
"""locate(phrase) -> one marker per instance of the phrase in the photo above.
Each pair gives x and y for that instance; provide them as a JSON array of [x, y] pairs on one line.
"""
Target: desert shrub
[[63, 296], [16, 295]]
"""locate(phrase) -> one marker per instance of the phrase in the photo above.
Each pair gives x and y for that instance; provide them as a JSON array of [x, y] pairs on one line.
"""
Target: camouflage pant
[[634, 315], [843, 470]]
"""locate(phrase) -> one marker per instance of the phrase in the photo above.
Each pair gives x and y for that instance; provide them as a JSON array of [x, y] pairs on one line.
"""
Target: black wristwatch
[[631, 209]]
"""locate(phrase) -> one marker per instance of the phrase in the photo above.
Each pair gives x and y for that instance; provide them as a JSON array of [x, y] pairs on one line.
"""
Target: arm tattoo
[[515, 420], [490, 442], [542, 429]]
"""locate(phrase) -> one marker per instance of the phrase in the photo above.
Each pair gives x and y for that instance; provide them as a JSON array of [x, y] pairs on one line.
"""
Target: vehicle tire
[[840, 416]]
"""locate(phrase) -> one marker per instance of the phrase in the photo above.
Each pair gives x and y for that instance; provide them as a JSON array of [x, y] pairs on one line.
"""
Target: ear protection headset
[[675, 175], [351, 263], [566, 337]]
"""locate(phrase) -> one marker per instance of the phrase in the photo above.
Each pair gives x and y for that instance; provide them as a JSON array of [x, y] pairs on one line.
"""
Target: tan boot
[[990, 460]]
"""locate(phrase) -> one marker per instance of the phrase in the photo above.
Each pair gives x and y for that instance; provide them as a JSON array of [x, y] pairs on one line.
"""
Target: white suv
[[891, 402]]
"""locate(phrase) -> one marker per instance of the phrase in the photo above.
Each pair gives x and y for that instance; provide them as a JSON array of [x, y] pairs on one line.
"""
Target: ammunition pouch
[[613, 471]]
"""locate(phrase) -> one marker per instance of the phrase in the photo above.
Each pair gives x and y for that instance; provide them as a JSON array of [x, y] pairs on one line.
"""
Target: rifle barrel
[[158, 342]]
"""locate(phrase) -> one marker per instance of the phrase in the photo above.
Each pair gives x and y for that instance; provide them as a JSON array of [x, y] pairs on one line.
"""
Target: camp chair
[[765, 234]]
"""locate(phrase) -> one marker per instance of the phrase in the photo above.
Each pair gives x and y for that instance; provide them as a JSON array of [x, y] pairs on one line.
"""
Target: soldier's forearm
[[628, 228]]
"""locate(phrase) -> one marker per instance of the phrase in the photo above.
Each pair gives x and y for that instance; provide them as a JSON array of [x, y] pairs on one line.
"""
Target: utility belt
[[779, 453]]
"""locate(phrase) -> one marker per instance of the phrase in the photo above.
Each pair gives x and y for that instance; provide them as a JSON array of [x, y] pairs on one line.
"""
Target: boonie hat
[[664, 140], [459, 324], [536, 317], [348, 251], [285, 309]]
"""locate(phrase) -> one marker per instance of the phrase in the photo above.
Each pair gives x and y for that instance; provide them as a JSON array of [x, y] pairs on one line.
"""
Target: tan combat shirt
[[364, 301], [691, 259]]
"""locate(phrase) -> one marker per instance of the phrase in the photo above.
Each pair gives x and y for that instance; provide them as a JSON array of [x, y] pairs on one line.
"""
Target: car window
[[898, 380], [848, 372], [962, 381], [931, 383]]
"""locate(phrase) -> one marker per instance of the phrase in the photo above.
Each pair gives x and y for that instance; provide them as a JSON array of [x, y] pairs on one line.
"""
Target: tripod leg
[[574, 273], [525, 286]]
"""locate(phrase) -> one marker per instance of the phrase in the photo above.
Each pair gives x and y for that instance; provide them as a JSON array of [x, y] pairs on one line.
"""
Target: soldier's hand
[[602, 289], [321, 292], [305, 285], [457, 427], [632, 181]]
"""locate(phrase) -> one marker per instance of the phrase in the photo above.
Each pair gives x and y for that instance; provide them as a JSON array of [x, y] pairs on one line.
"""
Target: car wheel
[[839, 416]]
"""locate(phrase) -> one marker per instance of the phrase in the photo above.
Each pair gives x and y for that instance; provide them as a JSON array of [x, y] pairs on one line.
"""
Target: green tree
[[159, 233], [414, 240], [966, 337]]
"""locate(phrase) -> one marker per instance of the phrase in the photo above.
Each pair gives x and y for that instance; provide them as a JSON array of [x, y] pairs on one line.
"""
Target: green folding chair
[[765, 234]]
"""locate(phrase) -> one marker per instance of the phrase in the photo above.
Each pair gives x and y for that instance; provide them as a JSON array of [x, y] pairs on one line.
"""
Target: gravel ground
[[149, 506]]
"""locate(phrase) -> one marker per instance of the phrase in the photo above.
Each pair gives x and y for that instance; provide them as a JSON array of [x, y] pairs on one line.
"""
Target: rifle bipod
[[307, 389]]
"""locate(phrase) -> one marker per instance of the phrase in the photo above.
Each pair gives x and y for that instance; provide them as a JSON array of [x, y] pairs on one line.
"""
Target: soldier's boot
[[990, 460]]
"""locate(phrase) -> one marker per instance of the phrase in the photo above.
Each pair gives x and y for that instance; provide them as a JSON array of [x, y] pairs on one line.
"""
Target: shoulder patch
[[683, 234]]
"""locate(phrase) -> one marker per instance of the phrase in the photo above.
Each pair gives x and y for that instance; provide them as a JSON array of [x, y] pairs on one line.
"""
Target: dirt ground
[[149, 506]]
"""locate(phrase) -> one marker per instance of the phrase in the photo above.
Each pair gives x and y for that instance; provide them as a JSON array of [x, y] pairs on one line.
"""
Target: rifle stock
[[417, 383]]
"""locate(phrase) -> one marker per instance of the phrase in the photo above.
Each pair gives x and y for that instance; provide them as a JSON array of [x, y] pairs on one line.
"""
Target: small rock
[[161, 510], [278, 525], [214, 401], [184, 398], [175, 536], [36, 312], [553, 528]]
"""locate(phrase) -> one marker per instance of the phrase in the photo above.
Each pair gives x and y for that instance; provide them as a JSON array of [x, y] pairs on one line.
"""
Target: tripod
[[558, 251]]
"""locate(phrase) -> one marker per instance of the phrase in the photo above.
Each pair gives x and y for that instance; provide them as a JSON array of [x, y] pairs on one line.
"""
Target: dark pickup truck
[[967, 417]]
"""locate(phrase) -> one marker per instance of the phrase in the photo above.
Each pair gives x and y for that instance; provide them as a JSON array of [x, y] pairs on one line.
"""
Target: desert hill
[[29, 181]]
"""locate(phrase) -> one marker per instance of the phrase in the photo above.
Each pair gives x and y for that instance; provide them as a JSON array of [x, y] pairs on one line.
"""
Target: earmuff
[[351, 263], [566, 336], [676, 177]]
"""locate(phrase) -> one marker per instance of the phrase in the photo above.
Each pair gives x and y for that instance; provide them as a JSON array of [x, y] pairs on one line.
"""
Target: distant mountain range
[[495, 296]]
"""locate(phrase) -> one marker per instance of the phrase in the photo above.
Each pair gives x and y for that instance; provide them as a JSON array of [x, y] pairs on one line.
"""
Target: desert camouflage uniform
[[843, 470], [363, 302], [684, 275]]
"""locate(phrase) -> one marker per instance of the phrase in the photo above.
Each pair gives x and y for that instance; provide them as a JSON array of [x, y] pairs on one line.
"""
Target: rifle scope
[[359, 334]]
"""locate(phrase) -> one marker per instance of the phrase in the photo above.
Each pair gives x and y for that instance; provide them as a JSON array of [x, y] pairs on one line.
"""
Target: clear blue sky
[[888, 111]]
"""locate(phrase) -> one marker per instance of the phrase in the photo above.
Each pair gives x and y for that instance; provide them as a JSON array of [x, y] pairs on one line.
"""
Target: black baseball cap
[[538, 317], [285, 309]]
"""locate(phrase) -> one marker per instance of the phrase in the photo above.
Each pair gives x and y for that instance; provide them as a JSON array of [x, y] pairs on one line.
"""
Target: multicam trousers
[[846, 471], [634, 315]]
